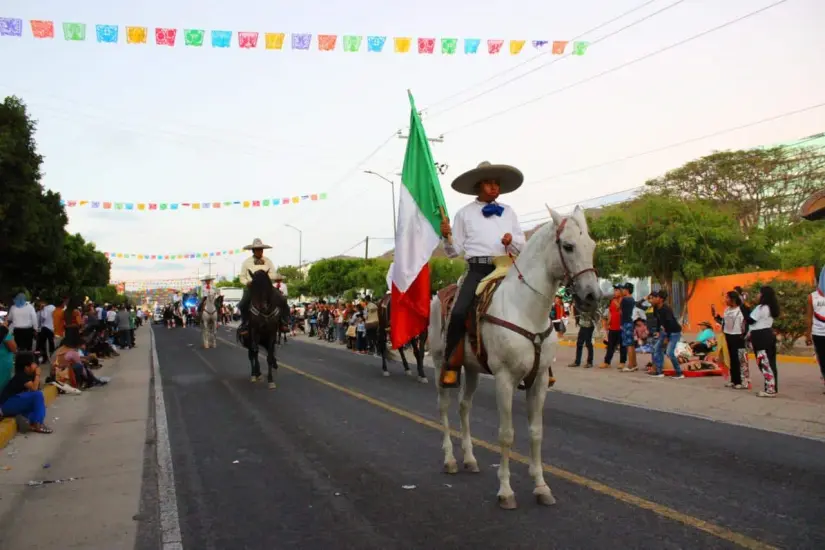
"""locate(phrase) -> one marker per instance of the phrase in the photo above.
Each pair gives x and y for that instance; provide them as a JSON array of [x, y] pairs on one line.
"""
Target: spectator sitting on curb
[[22, 395], [8, 347]]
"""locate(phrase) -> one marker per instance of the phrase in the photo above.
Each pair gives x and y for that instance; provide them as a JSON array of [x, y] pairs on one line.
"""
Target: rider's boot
[[450, 374]]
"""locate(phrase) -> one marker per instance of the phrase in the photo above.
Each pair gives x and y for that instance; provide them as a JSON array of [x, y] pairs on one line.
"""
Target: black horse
[[268, 310], [417, 343]]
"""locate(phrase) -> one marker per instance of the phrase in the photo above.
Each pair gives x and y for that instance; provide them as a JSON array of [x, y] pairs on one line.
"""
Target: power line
[[615, 68], [528, 61], [678, 144], [534, 69]]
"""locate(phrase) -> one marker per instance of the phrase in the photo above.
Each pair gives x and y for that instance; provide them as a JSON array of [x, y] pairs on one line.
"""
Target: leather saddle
[[472, 323]]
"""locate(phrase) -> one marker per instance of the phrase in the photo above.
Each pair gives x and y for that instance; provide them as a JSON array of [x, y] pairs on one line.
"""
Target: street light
[[392, 184], [300, 242]]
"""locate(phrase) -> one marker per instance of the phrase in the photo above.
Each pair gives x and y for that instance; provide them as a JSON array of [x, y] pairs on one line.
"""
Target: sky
[[146, 123]]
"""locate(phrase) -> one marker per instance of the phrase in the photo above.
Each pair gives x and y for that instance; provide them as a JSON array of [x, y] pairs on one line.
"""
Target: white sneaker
[[679, 377]]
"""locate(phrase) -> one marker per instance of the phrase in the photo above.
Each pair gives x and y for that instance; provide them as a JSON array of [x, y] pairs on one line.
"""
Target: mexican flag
[[417, 235]]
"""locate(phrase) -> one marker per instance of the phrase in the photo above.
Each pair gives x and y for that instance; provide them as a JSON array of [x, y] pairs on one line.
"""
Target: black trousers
[[735, 343], [243, 305], [24, 338], [614, 340], [45, 342], [819, 348], [585, 338], [458, 316]]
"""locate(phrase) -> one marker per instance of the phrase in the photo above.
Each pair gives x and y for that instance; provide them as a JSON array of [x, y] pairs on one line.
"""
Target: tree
[[234, 283], [804, 246], [761, 187], [444, 272], [332, 277], [792, 296], [291, 273], [37, 253], [609, 229], [670, 238]]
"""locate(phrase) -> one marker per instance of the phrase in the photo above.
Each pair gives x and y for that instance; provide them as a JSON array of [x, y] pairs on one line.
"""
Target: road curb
[[8, 426], [779, 358]]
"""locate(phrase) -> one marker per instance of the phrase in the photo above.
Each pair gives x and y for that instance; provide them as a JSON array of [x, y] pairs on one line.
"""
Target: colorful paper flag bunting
[[449, 46], [274, 40], [193, 37], [326, 42], [165, 36], [494, 46], [247, 40], [163, 257], [471, 45], [106, 33], [74, 31], [559, 46], [426, 45], [301, 41], [164, 206], [352, 43], [11, 27], [376, 43], [42, 29], [136, 35]]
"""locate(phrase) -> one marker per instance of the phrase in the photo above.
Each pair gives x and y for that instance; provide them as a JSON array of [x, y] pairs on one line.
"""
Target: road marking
[[659, 509], [167, 496]]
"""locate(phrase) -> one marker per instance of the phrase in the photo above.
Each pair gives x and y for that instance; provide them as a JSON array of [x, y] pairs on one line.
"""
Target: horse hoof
[[507, 503], [423, 379], [472, 467], [386, 373], [253, 379], [409, 373], [450, 468], [272, 385], [545, 499]]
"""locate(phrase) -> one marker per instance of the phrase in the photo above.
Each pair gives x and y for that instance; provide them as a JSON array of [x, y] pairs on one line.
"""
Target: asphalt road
[[321, 464]]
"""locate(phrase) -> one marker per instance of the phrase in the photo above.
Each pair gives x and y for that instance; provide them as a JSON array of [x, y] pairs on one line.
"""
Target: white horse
[[518, 337], [209, 321]]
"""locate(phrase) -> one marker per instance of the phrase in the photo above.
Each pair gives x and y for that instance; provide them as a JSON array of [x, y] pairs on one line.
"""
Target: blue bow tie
[[492, 209]]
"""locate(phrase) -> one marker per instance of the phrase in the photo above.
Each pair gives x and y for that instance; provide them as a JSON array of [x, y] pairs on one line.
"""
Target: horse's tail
[[434, 332]]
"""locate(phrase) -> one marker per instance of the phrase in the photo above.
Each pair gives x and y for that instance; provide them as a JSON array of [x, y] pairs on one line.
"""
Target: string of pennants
[[176, 206], [164, 36], [161, 257], [157, 284]]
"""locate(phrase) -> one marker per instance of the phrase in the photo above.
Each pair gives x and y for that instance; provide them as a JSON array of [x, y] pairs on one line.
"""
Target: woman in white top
[[734, 327], [763, 339], [23, 319], [816, 322]]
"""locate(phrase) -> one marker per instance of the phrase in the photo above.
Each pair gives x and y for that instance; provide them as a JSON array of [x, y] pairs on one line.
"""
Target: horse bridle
[[569, 279]]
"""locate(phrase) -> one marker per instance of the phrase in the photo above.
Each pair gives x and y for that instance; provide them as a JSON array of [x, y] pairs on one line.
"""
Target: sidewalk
[[798, 410], [99, 440]]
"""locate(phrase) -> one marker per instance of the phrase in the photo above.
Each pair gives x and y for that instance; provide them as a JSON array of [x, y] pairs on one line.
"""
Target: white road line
[[167, 496]]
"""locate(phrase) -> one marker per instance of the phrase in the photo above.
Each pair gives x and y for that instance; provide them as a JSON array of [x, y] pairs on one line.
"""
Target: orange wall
[[712, 290]]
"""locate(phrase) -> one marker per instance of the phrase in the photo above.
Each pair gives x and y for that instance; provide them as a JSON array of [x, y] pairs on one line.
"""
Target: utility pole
[[300, 242], [210, 263], [392, 185], [439, 139], [367, 248]]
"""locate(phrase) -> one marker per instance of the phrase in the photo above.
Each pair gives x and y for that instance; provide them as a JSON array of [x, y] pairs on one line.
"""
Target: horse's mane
[[261, 289]]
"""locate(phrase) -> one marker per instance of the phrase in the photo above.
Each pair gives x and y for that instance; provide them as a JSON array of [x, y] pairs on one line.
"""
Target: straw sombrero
[[814, 207], [257, 243], [508, 177]]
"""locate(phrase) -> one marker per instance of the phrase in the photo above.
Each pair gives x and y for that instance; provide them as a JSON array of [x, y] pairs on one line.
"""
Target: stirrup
[[449, 378]]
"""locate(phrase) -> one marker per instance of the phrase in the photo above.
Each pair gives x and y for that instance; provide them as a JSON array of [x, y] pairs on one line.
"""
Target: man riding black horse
[[256, 262]]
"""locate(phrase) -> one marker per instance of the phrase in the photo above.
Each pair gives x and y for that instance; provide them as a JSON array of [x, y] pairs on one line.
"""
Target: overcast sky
[[156, 124]]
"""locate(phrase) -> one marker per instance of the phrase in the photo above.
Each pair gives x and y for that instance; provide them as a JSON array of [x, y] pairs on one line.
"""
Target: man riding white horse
[[208, 312], [256, 262], [481, 231]]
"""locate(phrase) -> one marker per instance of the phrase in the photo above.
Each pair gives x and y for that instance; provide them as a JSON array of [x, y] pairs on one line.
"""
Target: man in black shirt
[[670, 332]]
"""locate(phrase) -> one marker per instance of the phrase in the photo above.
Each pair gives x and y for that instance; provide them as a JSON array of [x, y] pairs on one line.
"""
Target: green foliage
[[291, 273], [444, 272], [234, 283], [792, 297], [107, 295], [758, 187], [804, 246], [37, 253]]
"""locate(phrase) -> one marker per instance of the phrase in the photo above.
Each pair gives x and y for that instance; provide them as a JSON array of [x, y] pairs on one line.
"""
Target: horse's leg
[[253, 356], [407, 370], [418, 351], [504, 400], [535, 420], [464, 406], [450, 465], [382, 349], [271, 362]]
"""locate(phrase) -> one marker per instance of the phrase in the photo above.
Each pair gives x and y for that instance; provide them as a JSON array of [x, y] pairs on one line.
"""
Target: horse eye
[[568, 247]]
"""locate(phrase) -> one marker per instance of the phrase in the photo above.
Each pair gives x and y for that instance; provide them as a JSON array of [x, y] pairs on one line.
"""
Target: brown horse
[[417, 343]]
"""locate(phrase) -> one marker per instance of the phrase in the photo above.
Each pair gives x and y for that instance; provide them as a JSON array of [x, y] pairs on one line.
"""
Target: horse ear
[[581, 219], [557, 219]]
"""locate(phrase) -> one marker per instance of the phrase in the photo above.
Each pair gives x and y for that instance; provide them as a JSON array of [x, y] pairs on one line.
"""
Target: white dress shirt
[[23, 317], [475, 236], [47, 317], [250, 265]]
